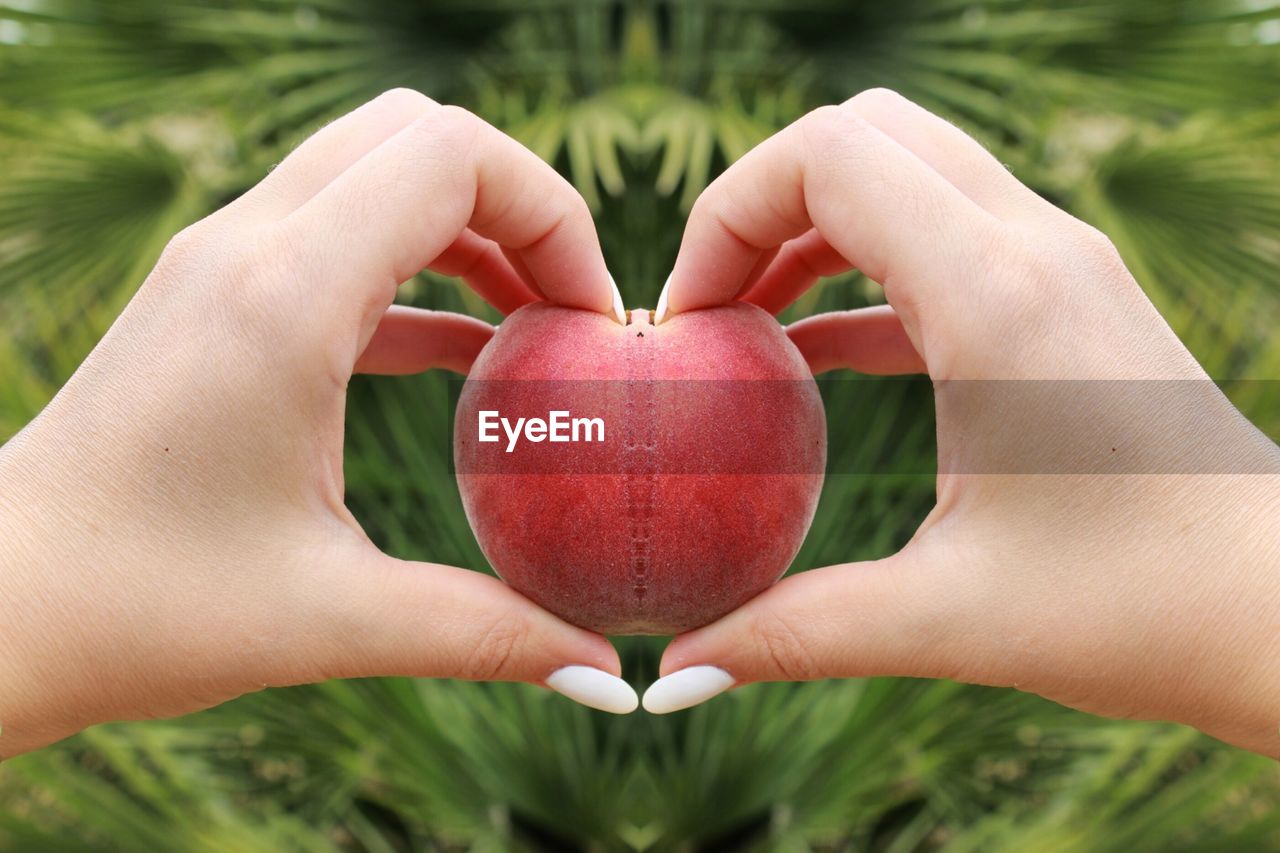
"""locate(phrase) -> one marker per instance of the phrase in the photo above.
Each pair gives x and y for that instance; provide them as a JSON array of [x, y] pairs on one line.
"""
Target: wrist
[[30, 714], [1266, 562], [1246, 677]]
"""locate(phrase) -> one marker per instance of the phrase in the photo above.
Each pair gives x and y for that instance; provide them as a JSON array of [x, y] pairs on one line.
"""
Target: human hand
[[1142, 585], [172, 526]]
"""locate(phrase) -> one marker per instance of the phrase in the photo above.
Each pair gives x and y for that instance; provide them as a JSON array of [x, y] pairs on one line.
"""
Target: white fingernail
[[686, 688], [594, 688], [661, 310], [619, 310]]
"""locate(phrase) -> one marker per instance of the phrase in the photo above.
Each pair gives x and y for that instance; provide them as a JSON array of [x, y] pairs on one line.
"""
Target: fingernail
[[661, 310], [686, 688], [619, 310], [594, 688]]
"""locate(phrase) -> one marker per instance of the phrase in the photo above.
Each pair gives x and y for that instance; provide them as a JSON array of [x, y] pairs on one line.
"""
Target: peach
[[697, 465]]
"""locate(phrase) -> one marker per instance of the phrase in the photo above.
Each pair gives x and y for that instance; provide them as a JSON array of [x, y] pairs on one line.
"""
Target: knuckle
[[831, 132], [1069, 257], [188, 239], [1087, 236], [1096, 250], [827, 119], [451, 128], [1010, 290], [824, 115], [784, 648], [578, 209], [185, 250], [282, 246], [704, 206], [403, 99], [990, 239], [1031, 266], [496, 648], [979, 244], [835, 132], [876, 99], [250, 283], [451, 117]]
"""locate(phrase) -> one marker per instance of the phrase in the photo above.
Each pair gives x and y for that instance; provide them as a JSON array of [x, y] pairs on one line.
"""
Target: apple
[[640, 479]]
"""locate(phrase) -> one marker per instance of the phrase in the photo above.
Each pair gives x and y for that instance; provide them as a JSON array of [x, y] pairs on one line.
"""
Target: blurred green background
[[122, 121]]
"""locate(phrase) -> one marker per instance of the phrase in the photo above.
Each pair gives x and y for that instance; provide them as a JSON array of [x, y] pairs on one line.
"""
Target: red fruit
[[697, 498]]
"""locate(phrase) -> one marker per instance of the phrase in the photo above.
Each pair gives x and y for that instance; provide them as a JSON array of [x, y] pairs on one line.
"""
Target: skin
[[172, 529], [1149, 593], [172, 526]]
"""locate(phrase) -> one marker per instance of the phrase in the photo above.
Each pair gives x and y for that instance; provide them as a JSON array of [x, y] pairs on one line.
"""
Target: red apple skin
[[698, 498]]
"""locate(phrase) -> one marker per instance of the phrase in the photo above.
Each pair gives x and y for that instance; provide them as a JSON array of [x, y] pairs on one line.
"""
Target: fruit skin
[[700, 495]]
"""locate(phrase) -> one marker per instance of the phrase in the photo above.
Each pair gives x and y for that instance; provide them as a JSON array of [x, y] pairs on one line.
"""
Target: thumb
[[896, 616], [379, 616]]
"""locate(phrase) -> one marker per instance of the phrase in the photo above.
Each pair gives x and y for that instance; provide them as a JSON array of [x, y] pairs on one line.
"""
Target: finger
[[952, 153], [486, 269], [879, 206], [329, 152], [797, 265], [379, 616], [868, 340], [336, 147], [890, 617], [398, 208], [411, 340], [766, 260], [522, 270]]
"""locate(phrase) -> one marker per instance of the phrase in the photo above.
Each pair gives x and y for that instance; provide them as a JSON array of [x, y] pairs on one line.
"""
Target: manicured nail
[[686, 688], [594, 688], [661, 311], [619, 311]]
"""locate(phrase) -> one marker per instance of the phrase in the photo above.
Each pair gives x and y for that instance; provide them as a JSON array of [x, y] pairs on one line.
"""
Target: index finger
[[874, 201], [398, 208]]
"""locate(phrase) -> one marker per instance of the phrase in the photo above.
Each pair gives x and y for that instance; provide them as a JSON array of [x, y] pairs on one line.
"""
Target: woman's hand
[[172, 526], [1111, 543]]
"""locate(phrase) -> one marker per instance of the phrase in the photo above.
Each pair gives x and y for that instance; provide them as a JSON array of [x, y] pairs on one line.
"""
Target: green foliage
[[121, 122]]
